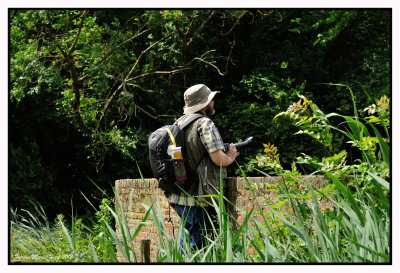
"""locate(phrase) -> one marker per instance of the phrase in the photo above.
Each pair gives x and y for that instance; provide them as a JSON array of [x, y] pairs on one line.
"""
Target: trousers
[[200, 222]]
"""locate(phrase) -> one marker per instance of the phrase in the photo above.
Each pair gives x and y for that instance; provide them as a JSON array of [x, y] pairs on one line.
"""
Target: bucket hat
[[197, 97]]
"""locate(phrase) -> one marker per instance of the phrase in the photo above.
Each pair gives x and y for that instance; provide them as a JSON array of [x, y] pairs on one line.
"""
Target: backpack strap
[[190, 120], [171, 136], [193, 118], [182, 126]]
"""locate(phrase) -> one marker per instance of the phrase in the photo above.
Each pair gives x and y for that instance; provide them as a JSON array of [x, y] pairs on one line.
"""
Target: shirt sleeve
[[209, 135]]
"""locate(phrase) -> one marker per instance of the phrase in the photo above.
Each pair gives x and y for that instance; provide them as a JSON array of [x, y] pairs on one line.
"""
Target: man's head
[[198, 97]]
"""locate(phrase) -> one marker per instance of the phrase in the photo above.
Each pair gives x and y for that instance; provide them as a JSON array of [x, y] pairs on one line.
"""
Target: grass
[[356, 231]]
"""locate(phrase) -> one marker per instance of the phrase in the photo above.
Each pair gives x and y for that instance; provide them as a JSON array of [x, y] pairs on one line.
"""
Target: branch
[[200, 28], [143, 53], [211, 64], [113, 77], [123, 84], [236, 23], [141, 88], [157, 72], [77, 35], [144, 111], [77, 96], [138, 33], [280, 15], [74, 77], [181, 34], [203, 59]]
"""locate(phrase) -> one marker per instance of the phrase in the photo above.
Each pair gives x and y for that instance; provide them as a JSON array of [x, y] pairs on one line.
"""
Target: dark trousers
[[198, 223]]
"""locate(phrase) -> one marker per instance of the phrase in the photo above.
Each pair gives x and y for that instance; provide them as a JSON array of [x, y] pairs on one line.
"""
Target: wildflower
[[343, 162], [383, 104], [297, 106], [60, 217], [261, 161], [290, 109], [371, 109]]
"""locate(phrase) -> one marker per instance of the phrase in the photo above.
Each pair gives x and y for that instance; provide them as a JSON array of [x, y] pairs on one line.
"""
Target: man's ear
[[203, 111]]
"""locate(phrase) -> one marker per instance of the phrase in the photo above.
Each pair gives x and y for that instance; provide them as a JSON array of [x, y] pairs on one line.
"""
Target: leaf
[[380, 180], [98, 187], [348, 195], [352, 97], [146, 216], [95, 257], [295, 230], [124, 231], [242, 226], [354, 128], [384, 147], [279, 114], [117, 242], [67, 235], [380, 254]]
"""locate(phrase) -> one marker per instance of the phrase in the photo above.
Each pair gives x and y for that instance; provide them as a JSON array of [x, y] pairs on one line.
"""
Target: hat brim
[[198, 107]]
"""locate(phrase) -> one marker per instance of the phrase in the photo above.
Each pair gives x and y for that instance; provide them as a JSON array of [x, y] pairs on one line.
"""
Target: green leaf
[[380, 254], [384, 147], [67, 235], [146, 216], [95, 257], [299, 232], [352, 97], [117, 242], [380, 180], [242, 226], [349, 196]]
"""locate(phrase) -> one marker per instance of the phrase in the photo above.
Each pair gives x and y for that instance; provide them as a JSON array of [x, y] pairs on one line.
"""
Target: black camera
[[239, 145]]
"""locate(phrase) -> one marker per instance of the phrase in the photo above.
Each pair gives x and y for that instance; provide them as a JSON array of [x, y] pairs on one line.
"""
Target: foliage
[[88, 86], [354, 230], [26, 172], [312, 121], [383, 111], [35, 240], [93, 76], [253, 116]]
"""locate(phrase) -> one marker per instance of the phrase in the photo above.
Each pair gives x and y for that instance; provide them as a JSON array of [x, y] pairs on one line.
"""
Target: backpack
[[161, 163]]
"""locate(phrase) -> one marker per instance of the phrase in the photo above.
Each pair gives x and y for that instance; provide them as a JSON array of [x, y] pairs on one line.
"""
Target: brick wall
[[134, 192]]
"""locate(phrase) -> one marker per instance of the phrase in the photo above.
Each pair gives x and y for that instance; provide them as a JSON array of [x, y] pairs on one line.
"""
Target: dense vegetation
[[88, 86], [355, 229]]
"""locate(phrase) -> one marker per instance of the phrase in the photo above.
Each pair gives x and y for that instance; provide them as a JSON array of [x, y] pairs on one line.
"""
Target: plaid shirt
[[212, 141], [209, 135]]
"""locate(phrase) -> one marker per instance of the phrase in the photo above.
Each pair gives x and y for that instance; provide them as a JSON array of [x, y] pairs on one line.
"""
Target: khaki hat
[[197, 97]]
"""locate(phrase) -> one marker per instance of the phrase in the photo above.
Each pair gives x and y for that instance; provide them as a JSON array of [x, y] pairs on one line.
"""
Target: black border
[[214, 8]]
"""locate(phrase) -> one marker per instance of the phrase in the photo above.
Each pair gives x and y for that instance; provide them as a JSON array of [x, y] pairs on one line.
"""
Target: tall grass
[[356, 231], [35, 239]]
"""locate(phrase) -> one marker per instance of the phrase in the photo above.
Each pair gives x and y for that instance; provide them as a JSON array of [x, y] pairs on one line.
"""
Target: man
[[205, 155]]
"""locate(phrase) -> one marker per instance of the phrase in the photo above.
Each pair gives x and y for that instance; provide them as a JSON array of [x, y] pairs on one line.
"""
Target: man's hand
[[224, 159]]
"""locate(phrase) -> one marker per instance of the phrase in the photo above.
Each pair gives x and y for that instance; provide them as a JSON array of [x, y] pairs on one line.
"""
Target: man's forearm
[[223, 159]]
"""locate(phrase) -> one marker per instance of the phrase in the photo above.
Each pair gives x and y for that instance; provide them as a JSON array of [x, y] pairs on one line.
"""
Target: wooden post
[[145, 250]]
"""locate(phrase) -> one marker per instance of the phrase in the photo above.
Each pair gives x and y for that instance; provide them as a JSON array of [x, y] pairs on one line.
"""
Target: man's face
[[210, 108]]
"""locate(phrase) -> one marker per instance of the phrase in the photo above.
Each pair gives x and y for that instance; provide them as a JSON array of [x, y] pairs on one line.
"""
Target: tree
[[99, 72], [88, 86]]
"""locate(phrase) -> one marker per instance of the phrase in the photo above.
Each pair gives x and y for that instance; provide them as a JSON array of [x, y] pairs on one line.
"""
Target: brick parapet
[[135, 192]]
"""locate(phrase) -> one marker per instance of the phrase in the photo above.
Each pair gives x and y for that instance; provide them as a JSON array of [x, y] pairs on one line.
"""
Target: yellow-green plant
[[358, 228]]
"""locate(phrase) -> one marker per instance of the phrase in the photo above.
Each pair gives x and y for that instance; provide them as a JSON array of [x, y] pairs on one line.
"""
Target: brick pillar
[[133, 193]]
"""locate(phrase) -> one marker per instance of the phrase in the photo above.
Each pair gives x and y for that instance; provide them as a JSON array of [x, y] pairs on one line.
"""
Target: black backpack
[[161, 163]]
